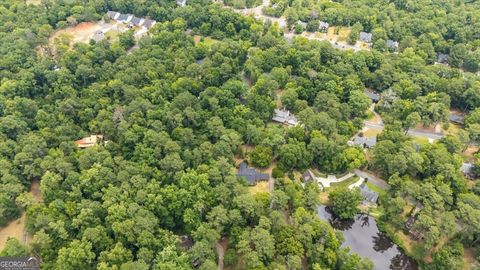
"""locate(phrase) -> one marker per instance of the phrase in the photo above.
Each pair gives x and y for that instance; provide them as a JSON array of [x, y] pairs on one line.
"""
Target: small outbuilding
[[456, 118], [392, 45], [323, 27], [365, 37], [181, 3], [374, 96], [442, 58]]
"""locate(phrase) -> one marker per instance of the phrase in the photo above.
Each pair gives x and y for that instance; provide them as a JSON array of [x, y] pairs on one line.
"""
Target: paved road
[[411, 132], [372, 178]]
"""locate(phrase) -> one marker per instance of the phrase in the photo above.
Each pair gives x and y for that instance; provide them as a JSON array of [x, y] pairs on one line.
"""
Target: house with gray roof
[[363, 142], [369, 196], [303, 24], [251, 174], [456, 118], [125, 18], [392, 45], [285, 117], [323, 27], [137, 21], [148, 23], [308, 176], [374, 96], [113, 15], [366, 37], [442, 58], [181, 3], [467, 169]]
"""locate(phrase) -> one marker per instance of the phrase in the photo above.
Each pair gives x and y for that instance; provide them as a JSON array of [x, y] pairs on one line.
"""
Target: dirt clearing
[[16, 228]]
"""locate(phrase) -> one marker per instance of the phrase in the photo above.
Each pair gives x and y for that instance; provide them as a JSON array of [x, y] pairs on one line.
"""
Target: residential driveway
[[326, 182], [372, 178]]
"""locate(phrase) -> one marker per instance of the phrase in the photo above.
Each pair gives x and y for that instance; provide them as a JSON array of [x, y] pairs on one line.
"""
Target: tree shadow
[[381, 242], [402, 262]]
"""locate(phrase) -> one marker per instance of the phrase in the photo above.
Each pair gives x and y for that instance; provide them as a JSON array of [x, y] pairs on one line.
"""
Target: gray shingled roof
[[369, 195], [285, 117], [181, 3], [391, 44], [136, 21], [366, 37], [467, 168], [442, 58], [308, 176], [372, 95], [148, 23], [364, 141], [323, 26], [123, 17], [251, 174], [456, 118], [112, 14]]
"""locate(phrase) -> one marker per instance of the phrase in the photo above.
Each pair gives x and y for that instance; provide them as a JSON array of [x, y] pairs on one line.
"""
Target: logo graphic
[[19, 263]]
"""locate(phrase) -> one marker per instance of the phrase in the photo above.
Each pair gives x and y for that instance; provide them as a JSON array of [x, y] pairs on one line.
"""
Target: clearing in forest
[[33, 2], [16, 228]]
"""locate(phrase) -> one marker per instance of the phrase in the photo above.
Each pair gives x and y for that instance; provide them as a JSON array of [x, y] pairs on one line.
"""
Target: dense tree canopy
[[177, 112]]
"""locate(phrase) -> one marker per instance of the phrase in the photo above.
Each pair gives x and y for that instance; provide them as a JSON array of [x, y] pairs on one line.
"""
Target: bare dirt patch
[[33, 2], [371, 133], [469, 258], [197, 38], [14, 229]]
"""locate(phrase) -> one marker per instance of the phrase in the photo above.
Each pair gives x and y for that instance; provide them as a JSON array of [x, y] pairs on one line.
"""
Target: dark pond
[[363, 237]]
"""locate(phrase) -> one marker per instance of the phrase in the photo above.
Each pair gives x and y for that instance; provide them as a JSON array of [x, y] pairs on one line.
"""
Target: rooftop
[[366, 37], [251, 174], [308, 176], [369, 195], [323, 25], [391, 44], [365, 142], [467, 168], [442, 58], [285, 117], [89, 141], [374, 96], [456, 118]]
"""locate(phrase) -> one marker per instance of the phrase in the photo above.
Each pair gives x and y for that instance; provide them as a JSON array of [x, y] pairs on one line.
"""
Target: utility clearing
[[16, 228]]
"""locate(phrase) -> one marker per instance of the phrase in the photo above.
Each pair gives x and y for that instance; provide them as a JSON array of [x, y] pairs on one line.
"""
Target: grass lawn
[[453, 128], [420, 140], [318, 173], [370, 133], [209, 41], [261, 186], [376, 188], [343, 184]]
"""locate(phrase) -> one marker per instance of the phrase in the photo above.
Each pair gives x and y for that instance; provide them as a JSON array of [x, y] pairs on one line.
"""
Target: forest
[[177, 113]]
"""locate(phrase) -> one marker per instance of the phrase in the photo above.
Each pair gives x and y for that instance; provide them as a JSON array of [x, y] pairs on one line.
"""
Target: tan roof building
[[89, 141]]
